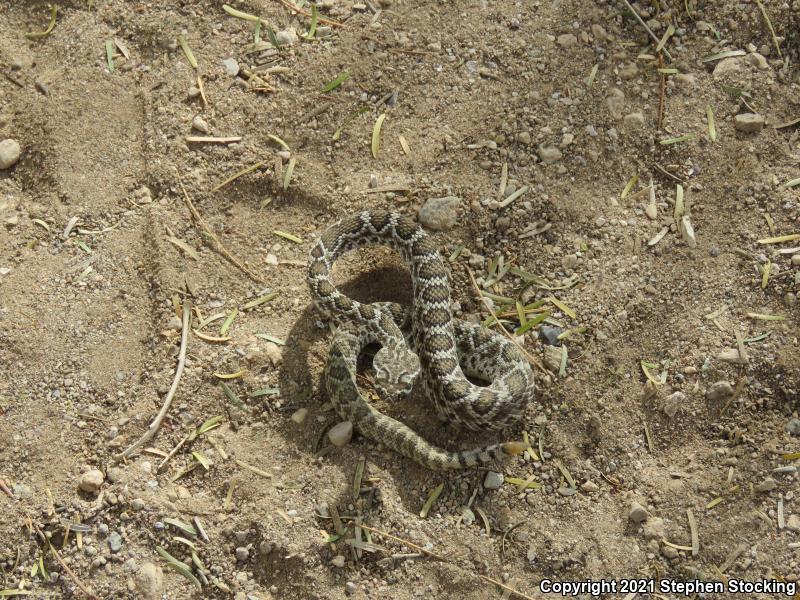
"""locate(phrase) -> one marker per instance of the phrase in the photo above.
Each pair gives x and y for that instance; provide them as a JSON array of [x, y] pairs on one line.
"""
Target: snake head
[[395, 371]]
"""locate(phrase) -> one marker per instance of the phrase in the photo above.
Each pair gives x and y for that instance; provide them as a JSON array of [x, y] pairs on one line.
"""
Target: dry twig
[[215, 240], [156, 424]]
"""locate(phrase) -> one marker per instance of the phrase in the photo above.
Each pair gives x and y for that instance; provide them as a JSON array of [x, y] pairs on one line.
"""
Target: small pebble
[[767, 485], [550, 333], [793, 427], [793, 523], [440, 214], [567, 40], [549, 154], [493, 480], [9, 153], [719, 391], [272, 260], [199, 123], [634, 120], [300, 415], [350, 588], [231, 66], [338, 561], [589, 487], [637, 513], [286, 37], [341, 434], [749, 122], [115, 542], [91, 481], [242, 554]]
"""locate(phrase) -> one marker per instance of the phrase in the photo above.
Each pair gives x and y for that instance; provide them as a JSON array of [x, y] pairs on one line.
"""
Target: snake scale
[[445, 350]]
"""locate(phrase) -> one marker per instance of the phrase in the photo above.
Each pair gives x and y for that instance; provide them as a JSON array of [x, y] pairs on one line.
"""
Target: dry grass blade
[[339, 80], [260, 300], [110, 54], [376, 135], [228, 376], [156, 424], [255, 470], [532, 359], [780, 239], [432, 498], [288, 236], [694, 532], [358, 476], [792, 183], [721, 55], [676, 140], [40, 34], [184, 247], [712, 129], [647, 29], [406, 542], [771, 28], [213, 139], [629, 186], [188, 52], [236, 176], [239, 14]]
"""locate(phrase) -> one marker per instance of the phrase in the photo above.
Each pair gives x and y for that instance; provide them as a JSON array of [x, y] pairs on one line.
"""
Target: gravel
[[231, 66], [115, 542]]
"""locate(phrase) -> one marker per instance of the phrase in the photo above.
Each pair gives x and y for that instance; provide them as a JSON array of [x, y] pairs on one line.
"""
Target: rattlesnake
[[448, 350]]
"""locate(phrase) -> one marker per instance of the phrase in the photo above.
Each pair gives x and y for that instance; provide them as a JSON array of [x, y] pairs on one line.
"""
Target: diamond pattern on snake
[[422, 342]]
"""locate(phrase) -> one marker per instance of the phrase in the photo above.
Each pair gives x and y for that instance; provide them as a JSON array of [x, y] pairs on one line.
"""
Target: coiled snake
[[447, 350]]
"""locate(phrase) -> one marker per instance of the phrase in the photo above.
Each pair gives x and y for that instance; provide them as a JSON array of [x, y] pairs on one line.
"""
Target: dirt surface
[[99, 253]]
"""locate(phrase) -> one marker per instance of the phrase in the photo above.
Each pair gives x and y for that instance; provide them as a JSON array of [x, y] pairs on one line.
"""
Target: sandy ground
[[99, 253]]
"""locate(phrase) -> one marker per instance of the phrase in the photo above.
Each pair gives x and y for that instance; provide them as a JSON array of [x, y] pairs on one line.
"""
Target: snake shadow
[[304, 357]]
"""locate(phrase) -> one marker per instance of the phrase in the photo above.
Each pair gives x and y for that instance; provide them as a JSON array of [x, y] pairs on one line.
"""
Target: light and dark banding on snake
[[446, 348]]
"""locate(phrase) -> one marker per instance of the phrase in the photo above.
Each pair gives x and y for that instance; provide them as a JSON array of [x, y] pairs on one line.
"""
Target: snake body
[[448, 350]]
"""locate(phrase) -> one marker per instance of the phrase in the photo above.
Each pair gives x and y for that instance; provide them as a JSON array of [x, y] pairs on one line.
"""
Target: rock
[[199, 123], [669, 552], [231, 66], [599, 32], [552, 358], [795, 260], [589, 487], [767, 485], [728, 67], [274, 352], [341, 434], [793, 522], [242, 554], [286, 37], [350, 588], [637, 513], [634, 120], [272, 260], [440, 214], [673, 404], [338, 561], [759, 61], [9, 153], [550, 333], [524, 137], [569, 262], [549, 154], [653, 529], [137, 504], [493, 480], [730, 355], [115, 474], [629, 71], [567, 40], [91, 481], [22, 491], [300, 415], [615, 102], [719, 391], [149, 581], [193, 92], [749, 122], [115, 542], [793, 427]]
